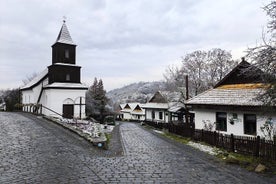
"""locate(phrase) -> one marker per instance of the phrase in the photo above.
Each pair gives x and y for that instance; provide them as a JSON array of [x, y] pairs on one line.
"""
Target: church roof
[[64, 35], [35, 80]]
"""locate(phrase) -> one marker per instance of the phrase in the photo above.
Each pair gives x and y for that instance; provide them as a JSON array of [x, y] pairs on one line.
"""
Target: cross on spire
[[64, 19]]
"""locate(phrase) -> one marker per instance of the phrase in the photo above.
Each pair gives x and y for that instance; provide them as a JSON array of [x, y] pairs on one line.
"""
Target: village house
[[57, 91], [231, 107], [132, 112], [156, 109]]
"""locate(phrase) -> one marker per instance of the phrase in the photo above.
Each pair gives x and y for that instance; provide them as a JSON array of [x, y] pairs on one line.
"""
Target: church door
[[68, 111]]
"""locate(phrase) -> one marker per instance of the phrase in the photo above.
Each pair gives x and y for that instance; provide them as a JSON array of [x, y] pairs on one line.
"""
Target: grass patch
[[177, 138], [108, 138], [235, 158], [246, 161]]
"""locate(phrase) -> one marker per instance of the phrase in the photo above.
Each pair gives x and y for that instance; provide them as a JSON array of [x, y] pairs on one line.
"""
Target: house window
[[235, 116], [160, 115], [221, 121], [249, 123], [66, 53], [153, 114], [67, 77]]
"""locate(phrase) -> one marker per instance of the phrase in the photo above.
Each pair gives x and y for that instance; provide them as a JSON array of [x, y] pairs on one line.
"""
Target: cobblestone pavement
[[33, 150]]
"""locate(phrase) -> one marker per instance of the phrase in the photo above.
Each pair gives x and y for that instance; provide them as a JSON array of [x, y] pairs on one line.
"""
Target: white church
[[57, 91]]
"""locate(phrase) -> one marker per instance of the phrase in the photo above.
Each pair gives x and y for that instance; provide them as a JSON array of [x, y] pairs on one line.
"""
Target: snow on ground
[[204, 148], [88, 127], [158, 131]]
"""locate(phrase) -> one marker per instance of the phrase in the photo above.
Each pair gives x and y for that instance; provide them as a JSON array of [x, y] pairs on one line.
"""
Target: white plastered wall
[[127, 115], [237, 128], [55, 98], [165, 118], [31, 96]]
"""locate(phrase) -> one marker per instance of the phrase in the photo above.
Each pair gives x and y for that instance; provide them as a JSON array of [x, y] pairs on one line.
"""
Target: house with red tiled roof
[[232, 106]]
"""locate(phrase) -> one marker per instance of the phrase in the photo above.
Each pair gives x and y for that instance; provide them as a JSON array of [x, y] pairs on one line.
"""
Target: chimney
[[187, 87]]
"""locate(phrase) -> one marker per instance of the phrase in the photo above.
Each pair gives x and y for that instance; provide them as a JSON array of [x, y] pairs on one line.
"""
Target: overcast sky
[[123, 41]]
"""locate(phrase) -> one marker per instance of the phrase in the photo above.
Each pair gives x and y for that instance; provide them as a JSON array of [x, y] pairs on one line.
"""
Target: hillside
[[139, 92]]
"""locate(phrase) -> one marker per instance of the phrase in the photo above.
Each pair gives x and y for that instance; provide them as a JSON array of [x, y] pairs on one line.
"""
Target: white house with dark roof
[[232, 105], [156, 109], [133, 111], [58, 89], [159, 109]]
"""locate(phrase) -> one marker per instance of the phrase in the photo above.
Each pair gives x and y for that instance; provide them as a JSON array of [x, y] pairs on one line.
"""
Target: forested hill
[[135, 92], [140, 92]]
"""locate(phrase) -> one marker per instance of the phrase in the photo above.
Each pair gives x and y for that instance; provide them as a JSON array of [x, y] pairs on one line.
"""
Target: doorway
[[68, 111]]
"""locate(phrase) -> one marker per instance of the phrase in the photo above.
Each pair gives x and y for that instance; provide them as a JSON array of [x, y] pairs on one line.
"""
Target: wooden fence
[[157, 125], [254, 146]]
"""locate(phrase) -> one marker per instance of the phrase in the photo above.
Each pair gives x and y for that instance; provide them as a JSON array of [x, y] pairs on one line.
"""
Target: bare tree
[[194, 65], [204, 69], [263, 57], [219, 63]]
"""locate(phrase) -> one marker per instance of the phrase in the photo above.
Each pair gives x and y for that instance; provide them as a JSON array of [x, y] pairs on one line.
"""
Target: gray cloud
[[122, 41]]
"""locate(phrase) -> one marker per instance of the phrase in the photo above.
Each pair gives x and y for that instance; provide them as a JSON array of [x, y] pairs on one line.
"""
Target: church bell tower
[[64, 68]]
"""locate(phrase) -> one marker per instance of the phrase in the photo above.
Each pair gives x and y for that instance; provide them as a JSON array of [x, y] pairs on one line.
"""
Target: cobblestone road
[[33, 150]]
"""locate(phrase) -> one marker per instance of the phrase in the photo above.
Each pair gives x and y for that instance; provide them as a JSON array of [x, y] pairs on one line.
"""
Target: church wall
[[27, 98], [57, 97], [31, 96]]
